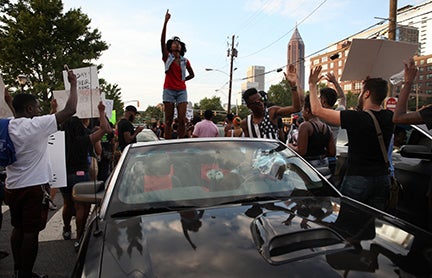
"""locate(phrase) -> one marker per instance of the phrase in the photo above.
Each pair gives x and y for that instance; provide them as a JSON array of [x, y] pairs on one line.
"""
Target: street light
[[22, 80], [230, 84]]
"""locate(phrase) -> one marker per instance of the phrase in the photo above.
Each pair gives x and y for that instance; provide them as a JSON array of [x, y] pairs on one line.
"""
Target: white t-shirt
[[30, 139]]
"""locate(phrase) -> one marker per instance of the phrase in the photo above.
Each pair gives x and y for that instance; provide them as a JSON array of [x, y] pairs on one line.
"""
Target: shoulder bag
[[395, 186]]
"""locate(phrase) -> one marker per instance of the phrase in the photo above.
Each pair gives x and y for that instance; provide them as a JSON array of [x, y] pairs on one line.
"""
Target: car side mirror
[[416, 151], [88, 192]]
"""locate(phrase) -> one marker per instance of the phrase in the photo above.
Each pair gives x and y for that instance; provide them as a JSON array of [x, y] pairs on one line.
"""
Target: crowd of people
[[93, 147]]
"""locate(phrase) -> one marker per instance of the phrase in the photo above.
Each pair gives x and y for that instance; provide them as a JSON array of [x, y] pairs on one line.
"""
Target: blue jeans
[[373, 191]]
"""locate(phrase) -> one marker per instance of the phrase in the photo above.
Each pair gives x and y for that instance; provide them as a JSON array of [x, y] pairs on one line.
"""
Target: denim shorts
[[174, 96], [373, 191]]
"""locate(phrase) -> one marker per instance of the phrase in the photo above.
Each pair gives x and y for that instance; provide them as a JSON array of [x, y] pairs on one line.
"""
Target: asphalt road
[[56, 256]]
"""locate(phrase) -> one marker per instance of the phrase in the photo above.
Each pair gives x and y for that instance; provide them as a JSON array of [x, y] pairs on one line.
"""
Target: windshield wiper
[[150, 210], [255, 199]]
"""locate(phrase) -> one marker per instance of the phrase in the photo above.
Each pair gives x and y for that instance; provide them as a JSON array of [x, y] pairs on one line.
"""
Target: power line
[[284, 35]]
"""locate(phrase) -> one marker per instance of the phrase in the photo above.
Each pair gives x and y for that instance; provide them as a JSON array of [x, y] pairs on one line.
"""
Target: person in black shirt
[[367, 178], [78, 141], [126, 131]]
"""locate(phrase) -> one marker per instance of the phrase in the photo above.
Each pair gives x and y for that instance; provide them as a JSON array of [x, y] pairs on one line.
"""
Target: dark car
[[412, 163], [237, 207]]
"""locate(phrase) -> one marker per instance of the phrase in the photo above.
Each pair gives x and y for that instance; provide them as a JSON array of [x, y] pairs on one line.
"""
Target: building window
[[429, 60], [347, 87], [315, 62], [429, 68], [422, 62], [325, 66], [358, 85], [420, 77], [429, 76], [428, 84], [339, 72], [421, 69], [429, 92], [324, 59], [340, 63], [331, 65]]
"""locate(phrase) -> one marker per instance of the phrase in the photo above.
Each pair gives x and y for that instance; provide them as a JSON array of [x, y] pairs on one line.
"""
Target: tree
[[37, 39], [351, 100], [214, 104], [112, 92], [280, 94], [153, 112]]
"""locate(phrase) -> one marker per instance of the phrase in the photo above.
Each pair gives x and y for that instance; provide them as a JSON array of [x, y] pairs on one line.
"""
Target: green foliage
[[351, 100], [37, 39], [152, 113], [214, 104], [280, 94]]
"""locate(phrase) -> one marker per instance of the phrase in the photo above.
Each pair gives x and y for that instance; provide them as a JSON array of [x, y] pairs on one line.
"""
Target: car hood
[[317, 237]]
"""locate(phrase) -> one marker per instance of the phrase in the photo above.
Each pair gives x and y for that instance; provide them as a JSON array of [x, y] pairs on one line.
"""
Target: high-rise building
[[296, 54], [418, 17], [256, 74]]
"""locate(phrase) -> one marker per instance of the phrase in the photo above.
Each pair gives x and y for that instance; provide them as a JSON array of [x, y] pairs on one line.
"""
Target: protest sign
[[376, 58], [88, 101], [5, 111], [87, 78], [57, 155]]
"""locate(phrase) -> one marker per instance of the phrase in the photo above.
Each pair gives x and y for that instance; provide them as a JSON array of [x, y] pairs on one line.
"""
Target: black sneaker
[[67, 233]]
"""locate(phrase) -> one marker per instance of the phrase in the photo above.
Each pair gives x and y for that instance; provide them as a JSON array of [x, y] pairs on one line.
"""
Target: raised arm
[[292, 78], [104, 126], [70, 108], [400, 115], [163, 36], [330, 116], [330, 77]]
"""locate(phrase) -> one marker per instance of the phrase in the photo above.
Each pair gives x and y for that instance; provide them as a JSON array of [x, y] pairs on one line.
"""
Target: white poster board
[[109, 105], [57, 155], [87, 78], [88, 101], [376, 58], [5, 111]]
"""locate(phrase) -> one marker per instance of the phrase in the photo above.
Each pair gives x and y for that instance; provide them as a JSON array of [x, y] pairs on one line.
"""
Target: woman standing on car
[[315, 140], [174, 90]]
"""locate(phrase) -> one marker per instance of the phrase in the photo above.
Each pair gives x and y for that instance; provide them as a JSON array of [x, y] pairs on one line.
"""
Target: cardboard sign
[[376, 58], [5, 111], [57, 155], [88, 101], [87, 78]]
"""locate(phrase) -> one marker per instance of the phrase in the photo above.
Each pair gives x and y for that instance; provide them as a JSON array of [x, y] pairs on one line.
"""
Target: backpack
[[7, 150]]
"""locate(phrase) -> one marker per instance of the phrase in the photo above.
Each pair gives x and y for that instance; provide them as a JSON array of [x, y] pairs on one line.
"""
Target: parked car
[[412, 162], [147, 135], [237, 207]]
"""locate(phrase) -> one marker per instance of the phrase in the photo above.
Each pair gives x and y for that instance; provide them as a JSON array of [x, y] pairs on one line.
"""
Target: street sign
[[390, 103]]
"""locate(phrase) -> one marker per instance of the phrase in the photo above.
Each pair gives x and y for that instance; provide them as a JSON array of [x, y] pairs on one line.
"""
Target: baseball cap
[[131, 108]]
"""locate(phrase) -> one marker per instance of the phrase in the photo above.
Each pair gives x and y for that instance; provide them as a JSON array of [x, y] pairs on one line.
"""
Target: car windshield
[[205, 173]]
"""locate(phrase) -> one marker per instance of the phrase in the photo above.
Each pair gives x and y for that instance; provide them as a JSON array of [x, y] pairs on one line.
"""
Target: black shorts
[[26, 208]]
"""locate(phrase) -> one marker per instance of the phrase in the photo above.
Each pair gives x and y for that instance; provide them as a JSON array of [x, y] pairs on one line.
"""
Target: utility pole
[[392, 32], [231, 53], [392, 20]]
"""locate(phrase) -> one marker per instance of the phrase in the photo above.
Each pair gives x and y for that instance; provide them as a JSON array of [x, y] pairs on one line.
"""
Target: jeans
[[373, 191]]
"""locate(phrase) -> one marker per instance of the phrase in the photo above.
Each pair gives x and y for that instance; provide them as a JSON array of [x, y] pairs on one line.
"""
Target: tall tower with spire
[[296, 55]]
